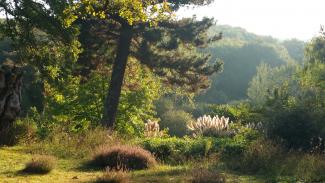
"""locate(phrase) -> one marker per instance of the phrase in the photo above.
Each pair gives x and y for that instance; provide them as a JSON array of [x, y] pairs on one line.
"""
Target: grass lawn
[[13, 159]]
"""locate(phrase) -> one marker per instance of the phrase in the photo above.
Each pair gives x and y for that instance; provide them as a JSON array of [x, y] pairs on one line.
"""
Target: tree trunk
[[114, 91], [10, 101]]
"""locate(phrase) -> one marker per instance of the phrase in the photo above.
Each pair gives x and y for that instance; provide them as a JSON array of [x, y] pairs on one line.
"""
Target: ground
[[13, 159]]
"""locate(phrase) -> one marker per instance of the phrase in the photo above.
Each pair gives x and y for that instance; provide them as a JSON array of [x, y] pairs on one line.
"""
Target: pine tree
[[145, 30]]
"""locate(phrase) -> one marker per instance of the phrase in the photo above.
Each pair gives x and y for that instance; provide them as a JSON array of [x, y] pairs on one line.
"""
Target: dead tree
[[10, 100]]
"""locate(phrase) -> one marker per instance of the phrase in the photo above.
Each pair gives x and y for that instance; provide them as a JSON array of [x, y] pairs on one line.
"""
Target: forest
[[124, 91]]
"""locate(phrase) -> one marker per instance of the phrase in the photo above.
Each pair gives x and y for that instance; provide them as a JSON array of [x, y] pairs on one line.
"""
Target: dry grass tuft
[[113, 177], [40, 164], [204, 175], [123, 157]]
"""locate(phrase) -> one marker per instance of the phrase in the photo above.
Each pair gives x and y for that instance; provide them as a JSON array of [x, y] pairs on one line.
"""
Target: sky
[[283, 19]]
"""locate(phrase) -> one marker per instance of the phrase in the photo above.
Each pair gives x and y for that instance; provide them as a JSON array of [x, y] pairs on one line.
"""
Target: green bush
[[164, 105], [40, 165], [311, 168], [176, 121], [294, 126], [123, 157], [213, 110], [21, 132], [178, 150], [261, 156]]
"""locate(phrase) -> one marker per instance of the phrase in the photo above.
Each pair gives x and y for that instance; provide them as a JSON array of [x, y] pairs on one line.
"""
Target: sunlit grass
[[13, 160]]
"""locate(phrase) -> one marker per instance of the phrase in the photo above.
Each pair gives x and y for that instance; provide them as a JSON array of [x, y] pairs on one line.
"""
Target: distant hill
[[242, 52]]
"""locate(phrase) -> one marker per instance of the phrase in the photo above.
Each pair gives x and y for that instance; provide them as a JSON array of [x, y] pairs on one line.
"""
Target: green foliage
[[213, 110], [310, 168], [123, 157], [176, 121], [295, 49], [178, 150], [315, 50], [79, 104], [22, 132], [241, 52], [295, 111], [163, 105], [63, 144], [266, 80]]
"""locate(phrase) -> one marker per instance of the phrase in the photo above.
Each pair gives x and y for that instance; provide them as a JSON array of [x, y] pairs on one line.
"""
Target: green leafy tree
[[267, 80], [144, 30]]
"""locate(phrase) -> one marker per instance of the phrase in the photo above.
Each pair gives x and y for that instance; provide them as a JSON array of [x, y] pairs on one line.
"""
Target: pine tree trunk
[[10, 100], [114, 92]]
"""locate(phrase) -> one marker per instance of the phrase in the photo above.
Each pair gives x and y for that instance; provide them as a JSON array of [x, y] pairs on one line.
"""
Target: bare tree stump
[[10, 100]]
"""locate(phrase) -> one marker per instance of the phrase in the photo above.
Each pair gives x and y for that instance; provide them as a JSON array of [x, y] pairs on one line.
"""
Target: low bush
[[203, 175], [40, 164], [310, 168], [21, 132], [262, 156], [123, 157], [113, 177], [176, 121], [178, 150]]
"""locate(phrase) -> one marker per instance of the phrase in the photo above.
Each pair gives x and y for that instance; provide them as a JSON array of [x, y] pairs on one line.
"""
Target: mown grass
[[13, 159]]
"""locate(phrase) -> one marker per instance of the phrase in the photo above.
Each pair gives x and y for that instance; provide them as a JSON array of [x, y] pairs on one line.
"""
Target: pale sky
[[283, 19]]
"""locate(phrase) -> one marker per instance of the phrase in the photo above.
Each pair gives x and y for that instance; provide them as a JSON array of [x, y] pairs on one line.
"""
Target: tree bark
[[119, 66], [10, 101]]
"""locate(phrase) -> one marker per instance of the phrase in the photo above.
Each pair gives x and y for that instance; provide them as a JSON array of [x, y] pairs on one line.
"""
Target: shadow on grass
[[162, 171], [23, 173], [88, 166]]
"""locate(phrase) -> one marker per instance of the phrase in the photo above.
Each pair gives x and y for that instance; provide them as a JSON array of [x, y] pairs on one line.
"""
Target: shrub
[[40, 164], [123, 157], [311, 168], [214, 109], [208, 126], [295, 126], [113, 177], [21, 132], [164, 105], [262, 156], [176, 121], [203, 175], [178, 150]]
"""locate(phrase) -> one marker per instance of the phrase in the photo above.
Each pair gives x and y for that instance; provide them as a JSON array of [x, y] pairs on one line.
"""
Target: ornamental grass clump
[[123, 157], [211, 126], [40, 164], [152, 129]]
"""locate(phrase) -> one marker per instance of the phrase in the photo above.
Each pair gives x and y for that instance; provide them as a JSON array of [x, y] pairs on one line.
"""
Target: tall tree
[[10, 100], [145, 30]]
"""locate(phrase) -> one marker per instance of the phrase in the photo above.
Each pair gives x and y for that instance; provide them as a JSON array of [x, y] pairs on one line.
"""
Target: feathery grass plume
[[210, 126], [152, 129]]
